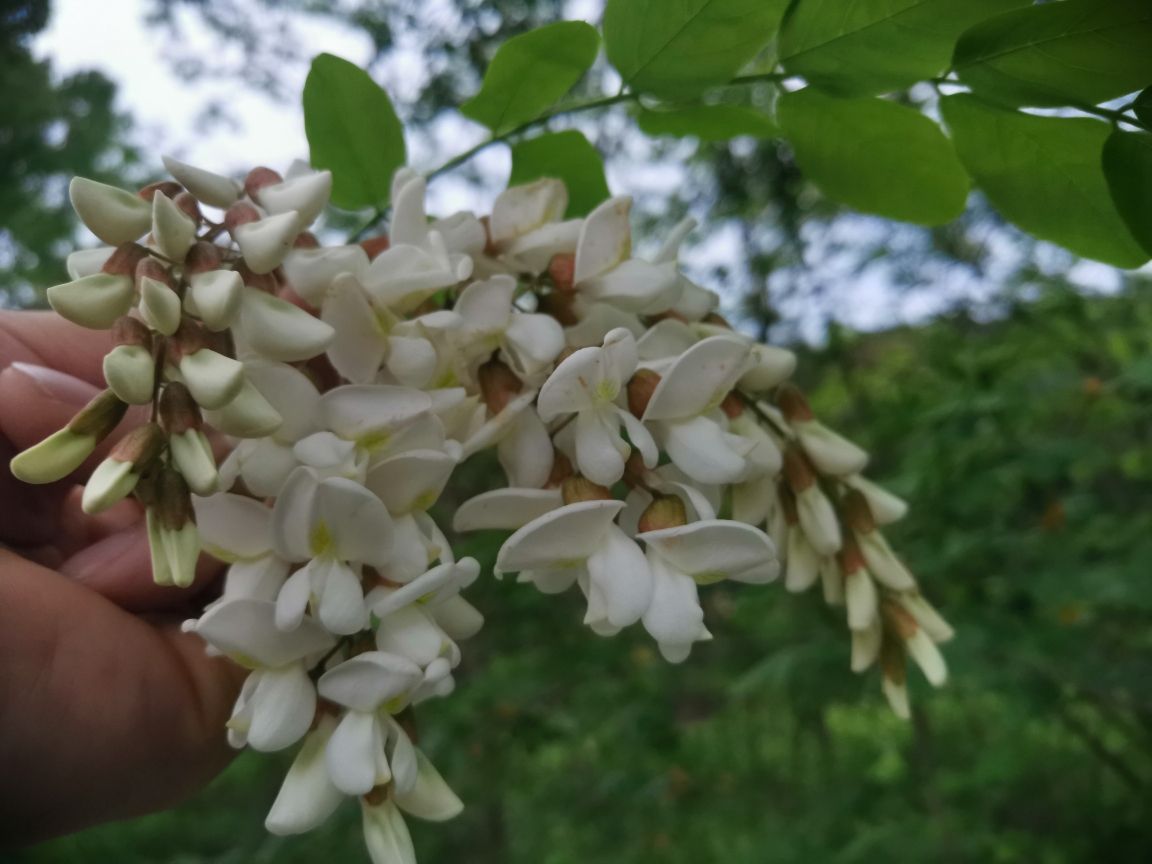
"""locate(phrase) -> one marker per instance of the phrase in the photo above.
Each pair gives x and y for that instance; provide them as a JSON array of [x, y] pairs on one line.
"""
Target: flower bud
[[802, 564], [213, 379], [193, 458], [265, 243], [640, 389], [240, 213], [832, 580], [498, 385], [130, 368], [116, 477], [113, 215], [64, 451], [94, 301], [124, 260], [918, 643], [214, 296], [280, 330], [189, 206], [173, 232], [306, 194], [793, 404], [881, 560], [885, 507], [926, 616], [860, 592], [893, 664], [258, 178], [212, 189], [829, 451], [160, 306], [665, 511], [172, 534], [161, 187], [577, 488], [202, 257], [249, 415], [866, 645], [813, 509]]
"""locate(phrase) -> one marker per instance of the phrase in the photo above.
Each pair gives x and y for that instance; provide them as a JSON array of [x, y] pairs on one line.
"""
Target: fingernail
[[53, 384]]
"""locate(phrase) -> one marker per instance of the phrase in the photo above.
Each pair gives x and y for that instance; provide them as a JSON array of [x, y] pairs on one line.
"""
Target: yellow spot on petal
[[320, 540]]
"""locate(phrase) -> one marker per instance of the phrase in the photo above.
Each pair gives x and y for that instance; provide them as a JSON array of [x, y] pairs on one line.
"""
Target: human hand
[[107, 710]]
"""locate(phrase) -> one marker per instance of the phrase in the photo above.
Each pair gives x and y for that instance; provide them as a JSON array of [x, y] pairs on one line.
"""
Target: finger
[[117, 715], [119, 567], [46, 339]]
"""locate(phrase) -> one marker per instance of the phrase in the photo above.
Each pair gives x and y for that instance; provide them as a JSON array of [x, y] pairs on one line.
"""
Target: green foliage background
[[1019, 430]]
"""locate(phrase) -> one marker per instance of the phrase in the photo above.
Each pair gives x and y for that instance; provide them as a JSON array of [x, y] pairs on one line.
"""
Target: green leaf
[[707, 122], [352, 131], [1128, 167], [677, 48], [876, 46], [1043, 174], [875, 156], [1084, 51], [531, 72], [1142, 106], [567, 156]]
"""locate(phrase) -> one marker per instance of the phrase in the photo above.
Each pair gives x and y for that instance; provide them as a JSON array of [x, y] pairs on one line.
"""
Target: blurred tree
[[50, 129]]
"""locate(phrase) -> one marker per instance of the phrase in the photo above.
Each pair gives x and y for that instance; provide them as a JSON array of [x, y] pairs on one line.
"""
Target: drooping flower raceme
[[650, 450]]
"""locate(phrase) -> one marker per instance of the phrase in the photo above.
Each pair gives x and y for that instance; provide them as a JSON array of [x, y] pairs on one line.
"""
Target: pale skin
[[107, 710]]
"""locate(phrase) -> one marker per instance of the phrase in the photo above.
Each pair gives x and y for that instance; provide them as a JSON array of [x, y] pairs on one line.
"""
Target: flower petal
[[351, 522], [621, 573], [356, 412], [368, 680], [716, 549], [307, 797], [245, 630], [283, 706], [505, 509], [699, 378], [359, 352], [430, 797], [605, 239], [411, 480], [560, 539], [351, 754], [233, 527], [385, 834]]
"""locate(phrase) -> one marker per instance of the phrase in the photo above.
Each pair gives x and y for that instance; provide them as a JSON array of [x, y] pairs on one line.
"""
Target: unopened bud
[[116, 477], [63, 452], [577, 488], [124, 260], [249, 415], [114, 215], [168, 188], [665, 511], [214, 296], [787, 500], [212, 379], [172, 533], [857, 514], [258, 178], [201, 258], [173, 230], [562, 270], [793, 404], [850, 557], [898, 620], [265, 243], [192, 456], [130, 368], [150, 268], [94, 301], [160, 306], [498, 385], [798, 471], [640, 389], [178, 410], [561, 470], [189, 206], [240, 213]]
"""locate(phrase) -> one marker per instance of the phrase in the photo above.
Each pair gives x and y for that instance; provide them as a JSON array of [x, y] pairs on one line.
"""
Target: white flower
[[277, 703], [370, 686], [489, 321], [590, 383], [699, 553], [525, 227], [334, 525], [238, 530], [307, 796], [684, 406], [579, 543]]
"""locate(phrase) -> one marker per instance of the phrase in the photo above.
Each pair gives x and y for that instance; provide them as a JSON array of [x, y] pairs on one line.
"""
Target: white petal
[[233, 527], [401, 758], [674, 619], [385, 834], [292, 394], [292, 516], [458, 618], [411, 480], [430, 588], [358, 412], [699, 378], [605, 239], [923, 650], [866, 645], [666, 339], [505, 509], [113, 215], [561, 538], [802, 565], [94, 301], [213, 379], [486, 306], [350, 522], [883, 563], [533, 251], [358, 351], [310, 272], [409, 632], [215, 297], [206, 187], [307, 796], [306, 194], [716, 549], [830, 452], [350, 756], [342, 609], [526, 452], [520, 209], [634, 286], [533, 341], [409, 223], [769, 366], [130, 371], [621, 573], [862, 600], [570, 386], [87, 262], [265, 243], [819, 521], [600, 451], [368, 680], [926, 616], [245, 629], [266, 466], [283, 706], [412, 361], [173, 232], [886, 507], [260, 579], [292, 600], [897, 695], [430, 798], [279, 330], [703, 450]]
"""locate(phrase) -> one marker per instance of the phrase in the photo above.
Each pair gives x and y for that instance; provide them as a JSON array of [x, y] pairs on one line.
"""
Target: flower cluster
[[649, 449]]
